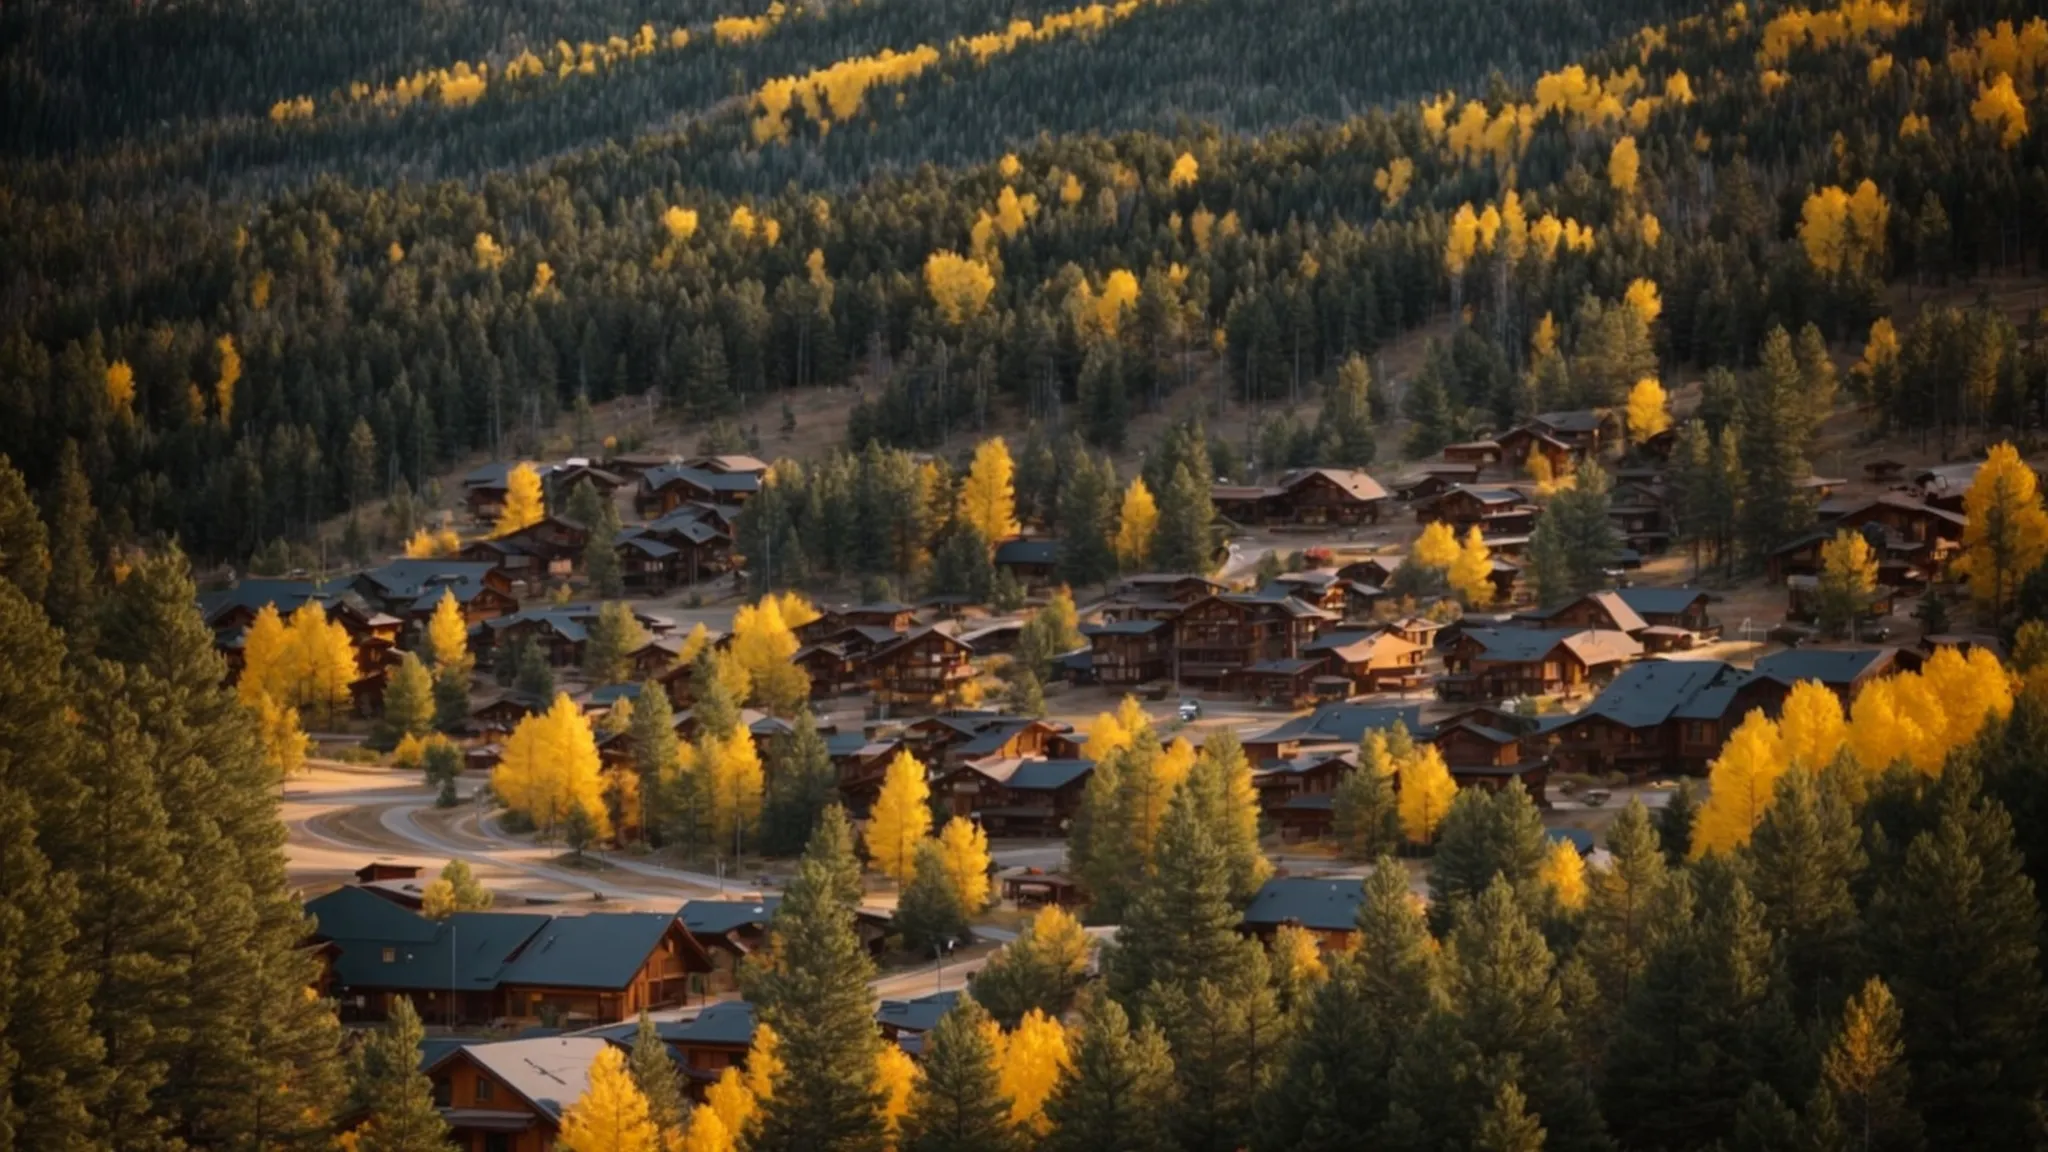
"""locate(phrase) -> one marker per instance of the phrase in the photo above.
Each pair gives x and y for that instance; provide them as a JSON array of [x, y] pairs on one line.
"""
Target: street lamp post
[[939, 949]]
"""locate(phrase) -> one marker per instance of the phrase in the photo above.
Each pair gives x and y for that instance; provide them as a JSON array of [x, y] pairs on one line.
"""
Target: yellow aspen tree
[[121, 388], [1739, 785], [1563, 873], [1426, 793], [524, 505], [764, 1064], [705, 1132], [1462, 243], [2006, 531], [1297, 957], [1119, 296], [729, 1100], [1174, 764], [1643, 298], [1648, 413], [735, 776], [1135, 525], [543, 279], [1009, 166], [1029, 1063], [960, 286], [1811, 727], [1622, 165], [681, 223], [763, 641], [1185, 171], [742, 222], [1651, 231], [1105, 737], [230, 375], [901, 818], [1471, 573], [1967, 691], [284, 741], [1437, 547], [896, 1075], [1543, 342], [2000, 108], [988, 498], [265, 660], [448, 634], [611, 1115], [488, 254], [1879, 734], [549, 765], [1201, 226], [1393, 180], [1824, 229], [1848, 578], [963, 849], [320, 661]]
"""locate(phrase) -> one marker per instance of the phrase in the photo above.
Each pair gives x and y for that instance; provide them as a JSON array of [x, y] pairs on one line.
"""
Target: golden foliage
[[1649, 229], [988, 497], [1920, 717], [1462, 242], [1009, 166], [1437, 547], [680, 222], [448, 634], [120, 387], [1999, 107], [705, 1132], [296, 108], [1394, 179], [488, 254], [1648, 411], [900, 819], [1678, 88], [835, 92], [2006, 531], [728, 1098], [1426, 789], [732, 768], [1739, 786], [230, 375], [729, 30], [1623, 164], [1855, 21], [1029, 1063], [1185, 171], [543, 279], [524, 506], [963, 849], [284, 743], [1543, 342], [611, 1115], [1643, 298], [896, 1075], [550, 765], [427, 543], [1563, 873], [1471, 572], [1844, 232], [1136, 522], [960, 287], [1811, 727]]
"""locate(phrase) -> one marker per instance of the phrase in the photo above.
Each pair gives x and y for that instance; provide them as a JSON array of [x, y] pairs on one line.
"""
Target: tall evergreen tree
[[1773, 422], [1118, 1087], [1332, 1093], [388, 1087], [1956, 934], [1485, 834], [1185, 540], [957, 1105], [1675, 820], [1507, 1125], [49, 1054], [930, 915], [1226, 1036], [1865, 1077], [72, 589], [1803, 860], [408, 703], [657, 758], [655, 1075], [253, 1025], [812, 991], [801, 786], [831, 844], [1181, 927], [24, 542], [1227, 804], [1087, 511], [1364, 814]]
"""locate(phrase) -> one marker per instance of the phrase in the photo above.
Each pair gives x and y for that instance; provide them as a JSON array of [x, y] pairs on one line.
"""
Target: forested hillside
[[297, 354]]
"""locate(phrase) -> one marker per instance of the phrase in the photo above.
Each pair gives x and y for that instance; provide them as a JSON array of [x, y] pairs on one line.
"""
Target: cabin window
[[485, 1090], [390, 955]]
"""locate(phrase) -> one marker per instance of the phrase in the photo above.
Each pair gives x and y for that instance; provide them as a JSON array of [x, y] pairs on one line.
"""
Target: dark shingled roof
[[919, 1015], [1048, 775], [355, 914], [726, 1022], [597, 950], [717, 917], [1647, 694], [655, 479], [1328, 905], [1831, 666], [1342, 723], [1658, 601], [1124, 628], [1578, 838]]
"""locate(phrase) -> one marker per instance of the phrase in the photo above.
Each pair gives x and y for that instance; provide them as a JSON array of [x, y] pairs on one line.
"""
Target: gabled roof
[[610, 694], [726, 1022], [1521, 645], [1831, 666], [595, 950], [1327, 905], [993, 736], [1342, 723], [1658, 601], [469, 949], [905, 639], [1028, 551], [647, 546], [1618, 610], [413, 579], [551, 1072], [1353, 482], [717, 917], [919, 1015], [254, 593], [1033, 774], [730, 462], [856, 744], [353, 914], [1647, 694], [1124, 628], [497, 473], [704, 480], [1486, 494], [1576, 420]]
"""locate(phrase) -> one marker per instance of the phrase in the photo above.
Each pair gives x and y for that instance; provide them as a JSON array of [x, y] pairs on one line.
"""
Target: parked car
[[1190, 710]]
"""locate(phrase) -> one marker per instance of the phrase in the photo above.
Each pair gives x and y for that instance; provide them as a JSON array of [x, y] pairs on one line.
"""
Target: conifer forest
[[847, 499]]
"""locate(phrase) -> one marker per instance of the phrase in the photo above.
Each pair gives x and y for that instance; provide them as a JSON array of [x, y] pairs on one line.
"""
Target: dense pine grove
[[243, 300]]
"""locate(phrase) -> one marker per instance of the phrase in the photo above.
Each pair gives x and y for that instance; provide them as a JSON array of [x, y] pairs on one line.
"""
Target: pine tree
[[1226, 1036], [657, 757], [1228, 805], [1181, 927], [389, 1088], [1364, 812], [956, 1105], [800, 788], [1088, 553], [1621, 919], [1507, 1125], [831, 844], [250, 1011], [1771, 421], [71, 593], [408, 703], [1955, 933], [1485, 834], [1120, 1086], [451, 698], [1333, 1092], [1344, 426], [1185, 540], [654, 1074], [930, 915], [614, 636], [1865, 1076], [1804, 860], [1675, 820], [24, 543], [813, 992], [49, 1054], [1848, 578]]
